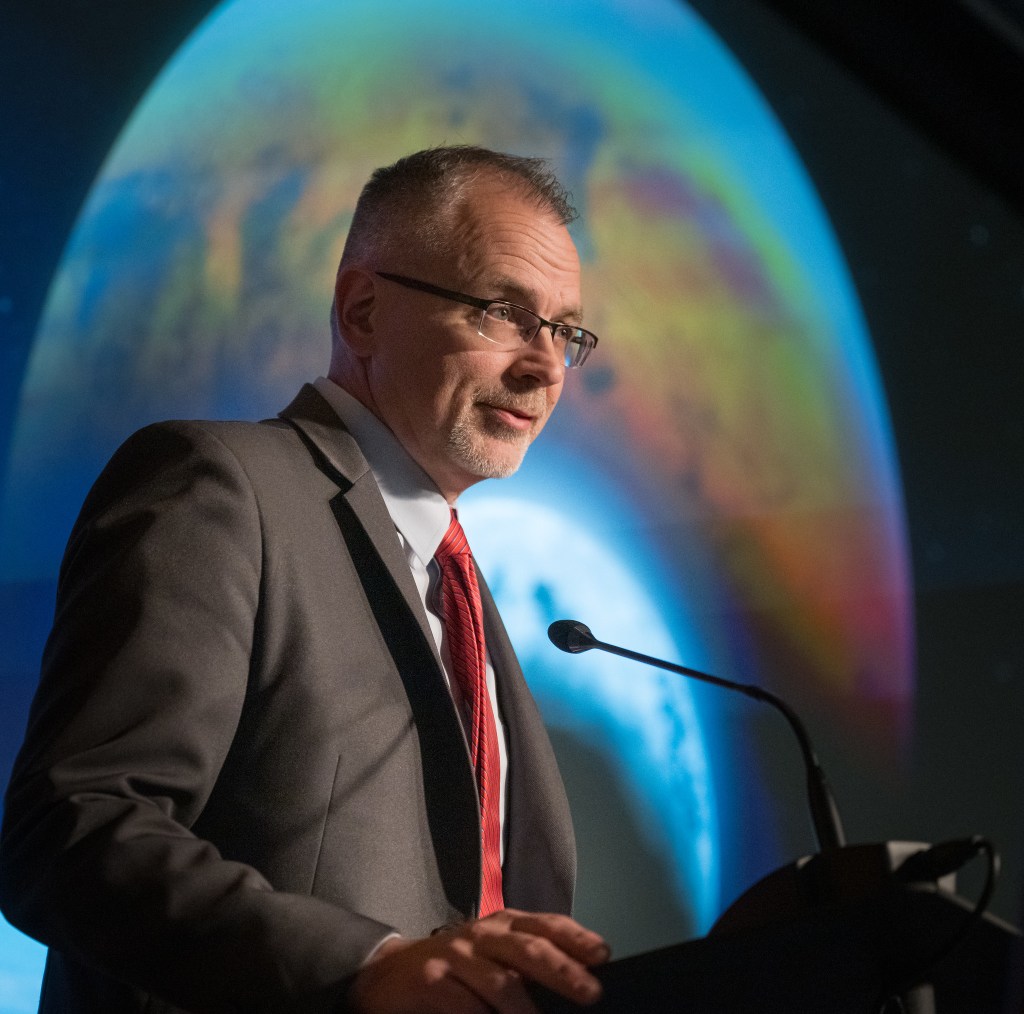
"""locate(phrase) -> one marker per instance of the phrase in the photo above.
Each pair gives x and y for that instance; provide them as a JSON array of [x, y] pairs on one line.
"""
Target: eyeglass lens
[[509, 325]]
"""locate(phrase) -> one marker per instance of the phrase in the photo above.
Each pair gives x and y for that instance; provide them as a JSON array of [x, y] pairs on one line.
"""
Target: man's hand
[[481, 966]]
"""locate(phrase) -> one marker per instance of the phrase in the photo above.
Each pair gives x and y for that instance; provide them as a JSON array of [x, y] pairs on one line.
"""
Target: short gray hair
[[410, 203]]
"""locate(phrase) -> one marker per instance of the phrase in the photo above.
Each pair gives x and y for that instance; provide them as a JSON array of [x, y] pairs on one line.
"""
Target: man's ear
[[354, 302]]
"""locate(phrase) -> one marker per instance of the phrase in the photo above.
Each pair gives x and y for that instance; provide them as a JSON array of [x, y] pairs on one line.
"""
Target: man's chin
[[488, 457]]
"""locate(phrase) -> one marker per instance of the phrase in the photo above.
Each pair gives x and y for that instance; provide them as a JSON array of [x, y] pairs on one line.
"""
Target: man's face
[[463, 409]]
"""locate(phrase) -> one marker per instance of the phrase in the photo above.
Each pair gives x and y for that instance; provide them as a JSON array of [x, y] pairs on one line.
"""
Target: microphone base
[[911, 923], [835, 877]]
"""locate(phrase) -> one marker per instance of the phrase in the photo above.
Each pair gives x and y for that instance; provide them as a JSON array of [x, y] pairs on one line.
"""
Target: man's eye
[[566, 333], [500, 311]]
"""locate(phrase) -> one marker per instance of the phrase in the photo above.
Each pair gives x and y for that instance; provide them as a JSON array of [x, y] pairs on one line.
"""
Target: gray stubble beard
[[464, 444]]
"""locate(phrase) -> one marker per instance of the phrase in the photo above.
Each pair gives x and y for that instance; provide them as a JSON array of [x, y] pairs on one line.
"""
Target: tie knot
[[454, 542]]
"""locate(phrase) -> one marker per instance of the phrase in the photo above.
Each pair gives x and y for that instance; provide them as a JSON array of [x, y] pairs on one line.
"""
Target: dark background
[[909, 124]]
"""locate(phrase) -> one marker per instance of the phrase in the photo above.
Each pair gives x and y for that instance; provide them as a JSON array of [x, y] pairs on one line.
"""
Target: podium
[[830, 935], [840, 932]]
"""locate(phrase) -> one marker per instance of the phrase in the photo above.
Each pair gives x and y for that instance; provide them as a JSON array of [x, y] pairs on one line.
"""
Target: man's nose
[[542, 359]]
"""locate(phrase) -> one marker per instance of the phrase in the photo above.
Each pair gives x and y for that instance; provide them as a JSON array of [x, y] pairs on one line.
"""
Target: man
[[256, 775]]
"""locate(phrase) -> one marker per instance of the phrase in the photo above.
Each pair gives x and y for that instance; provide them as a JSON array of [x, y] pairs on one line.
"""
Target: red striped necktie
[[464, 625]]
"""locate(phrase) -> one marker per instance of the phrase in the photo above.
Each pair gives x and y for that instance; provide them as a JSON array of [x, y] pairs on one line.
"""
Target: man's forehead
[[490, 196], [508, 245]]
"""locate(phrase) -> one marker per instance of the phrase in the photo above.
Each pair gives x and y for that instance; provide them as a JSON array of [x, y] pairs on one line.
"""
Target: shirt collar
[[415, 504]]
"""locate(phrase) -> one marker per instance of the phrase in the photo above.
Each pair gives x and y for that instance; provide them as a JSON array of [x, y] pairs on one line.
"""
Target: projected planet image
[[717, 486]]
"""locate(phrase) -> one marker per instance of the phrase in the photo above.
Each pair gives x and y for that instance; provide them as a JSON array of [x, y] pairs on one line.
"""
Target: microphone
[[574, 637], [860, 874]]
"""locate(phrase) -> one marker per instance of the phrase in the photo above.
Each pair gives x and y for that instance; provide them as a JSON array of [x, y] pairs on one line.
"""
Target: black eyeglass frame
[[578, 358]]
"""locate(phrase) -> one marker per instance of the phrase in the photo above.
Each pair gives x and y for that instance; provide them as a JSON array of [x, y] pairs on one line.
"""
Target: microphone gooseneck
[[574, 637]]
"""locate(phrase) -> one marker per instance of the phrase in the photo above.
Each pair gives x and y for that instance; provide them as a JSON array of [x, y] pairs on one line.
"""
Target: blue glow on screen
[[21, 969]]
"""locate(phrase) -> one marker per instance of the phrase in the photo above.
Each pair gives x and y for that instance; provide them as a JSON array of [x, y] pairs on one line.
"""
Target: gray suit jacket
[[243, 766]]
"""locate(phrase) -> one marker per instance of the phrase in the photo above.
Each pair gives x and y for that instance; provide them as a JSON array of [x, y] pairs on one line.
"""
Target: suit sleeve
[[144, 680]]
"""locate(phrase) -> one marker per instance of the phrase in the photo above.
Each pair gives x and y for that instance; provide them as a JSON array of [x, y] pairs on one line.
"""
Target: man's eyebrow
[[513, 292]]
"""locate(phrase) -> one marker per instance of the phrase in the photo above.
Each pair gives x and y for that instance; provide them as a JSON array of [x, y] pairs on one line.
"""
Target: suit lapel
[[449, 783], [339, 454]]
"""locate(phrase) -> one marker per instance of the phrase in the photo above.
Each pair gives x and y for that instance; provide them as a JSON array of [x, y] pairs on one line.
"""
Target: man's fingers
[[442, 974], [482, 965], [568, 935], [539, 959]]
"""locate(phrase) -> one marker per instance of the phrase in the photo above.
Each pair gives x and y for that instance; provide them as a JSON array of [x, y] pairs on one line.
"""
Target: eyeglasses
[[509, 325]]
